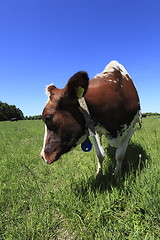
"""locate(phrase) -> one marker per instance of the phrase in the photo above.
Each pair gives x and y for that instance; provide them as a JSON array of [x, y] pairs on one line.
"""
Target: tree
[[10, 111]]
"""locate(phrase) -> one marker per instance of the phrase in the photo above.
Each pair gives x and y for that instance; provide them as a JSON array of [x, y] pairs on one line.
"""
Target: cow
[[144, 115], [13, 120], [114, 108]]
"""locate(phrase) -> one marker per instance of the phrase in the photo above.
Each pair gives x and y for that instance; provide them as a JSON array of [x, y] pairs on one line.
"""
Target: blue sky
[[47, 41]]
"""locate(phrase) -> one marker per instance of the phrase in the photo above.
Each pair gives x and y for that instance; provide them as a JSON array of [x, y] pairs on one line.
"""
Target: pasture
[[65, 201]]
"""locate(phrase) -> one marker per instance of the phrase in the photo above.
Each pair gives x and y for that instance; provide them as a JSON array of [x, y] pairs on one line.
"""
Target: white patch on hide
[[111, 68], [124, 134]]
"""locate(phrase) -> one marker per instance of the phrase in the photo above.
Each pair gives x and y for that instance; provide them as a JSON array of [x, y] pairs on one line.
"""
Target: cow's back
[[112, 98]]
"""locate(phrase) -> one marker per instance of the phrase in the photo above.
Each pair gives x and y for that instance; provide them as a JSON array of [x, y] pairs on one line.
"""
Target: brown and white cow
[[113, 104]]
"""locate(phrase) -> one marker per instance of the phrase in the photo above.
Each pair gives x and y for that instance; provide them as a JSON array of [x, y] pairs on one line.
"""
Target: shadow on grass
[[135, 160]]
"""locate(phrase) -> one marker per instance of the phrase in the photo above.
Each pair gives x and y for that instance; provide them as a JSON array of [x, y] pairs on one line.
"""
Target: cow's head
[[64, 122]]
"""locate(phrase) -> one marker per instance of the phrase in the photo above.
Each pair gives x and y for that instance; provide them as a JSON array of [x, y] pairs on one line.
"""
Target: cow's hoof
[[99, 175]]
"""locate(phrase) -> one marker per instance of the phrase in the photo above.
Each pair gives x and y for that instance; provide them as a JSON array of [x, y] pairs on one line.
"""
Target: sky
[[47, 41]]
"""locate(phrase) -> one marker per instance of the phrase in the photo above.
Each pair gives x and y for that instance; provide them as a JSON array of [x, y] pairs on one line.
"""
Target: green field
[[65, 201]]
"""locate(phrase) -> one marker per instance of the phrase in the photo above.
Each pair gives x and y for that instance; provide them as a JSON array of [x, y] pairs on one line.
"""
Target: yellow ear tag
[[79, 92]]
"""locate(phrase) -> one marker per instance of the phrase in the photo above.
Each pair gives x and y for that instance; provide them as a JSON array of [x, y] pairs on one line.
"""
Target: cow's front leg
[[100, 154], [99, 169]]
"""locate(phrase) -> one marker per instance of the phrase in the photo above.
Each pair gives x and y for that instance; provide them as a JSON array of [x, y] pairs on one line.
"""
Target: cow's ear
[[77, 86], [50, 89]]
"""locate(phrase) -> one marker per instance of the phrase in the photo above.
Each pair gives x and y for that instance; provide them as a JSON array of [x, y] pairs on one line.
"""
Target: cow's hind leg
[[121, 150]]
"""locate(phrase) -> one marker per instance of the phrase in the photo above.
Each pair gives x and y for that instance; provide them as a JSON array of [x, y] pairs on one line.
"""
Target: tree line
[[36, 117], [8, 112], [152, 114]]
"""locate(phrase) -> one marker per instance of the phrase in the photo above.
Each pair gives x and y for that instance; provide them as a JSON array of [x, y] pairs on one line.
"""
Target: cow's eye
[[48, 118]]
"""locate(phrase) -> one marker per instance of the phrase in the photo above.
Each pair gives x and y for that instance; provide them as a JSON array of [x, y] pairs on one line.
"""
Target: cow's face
[[64, 122]]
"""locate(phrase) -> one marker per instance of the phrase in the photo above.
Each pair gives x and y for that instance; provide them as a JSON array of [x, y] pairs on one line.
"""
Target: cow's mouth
[[50, 158]]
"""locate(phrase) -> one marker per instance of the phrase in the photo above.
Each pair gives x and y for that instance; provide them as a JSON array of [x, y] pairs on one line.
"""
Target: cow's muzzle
[[49, 158]]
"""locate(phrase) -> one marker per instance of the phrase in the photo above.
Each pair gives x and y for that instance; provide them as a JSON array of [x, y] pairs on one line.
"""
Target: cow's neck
[[91, 128], [87, 117]]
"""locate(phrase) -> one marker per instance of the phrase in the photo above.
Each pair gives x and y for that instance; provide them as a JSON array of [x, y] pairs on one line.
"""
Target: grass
[[65, 201]]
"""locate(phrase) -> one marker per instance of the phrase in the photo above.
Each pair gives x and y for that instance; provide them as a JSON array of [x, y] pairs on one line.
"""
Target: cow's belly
[[124, 135]]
